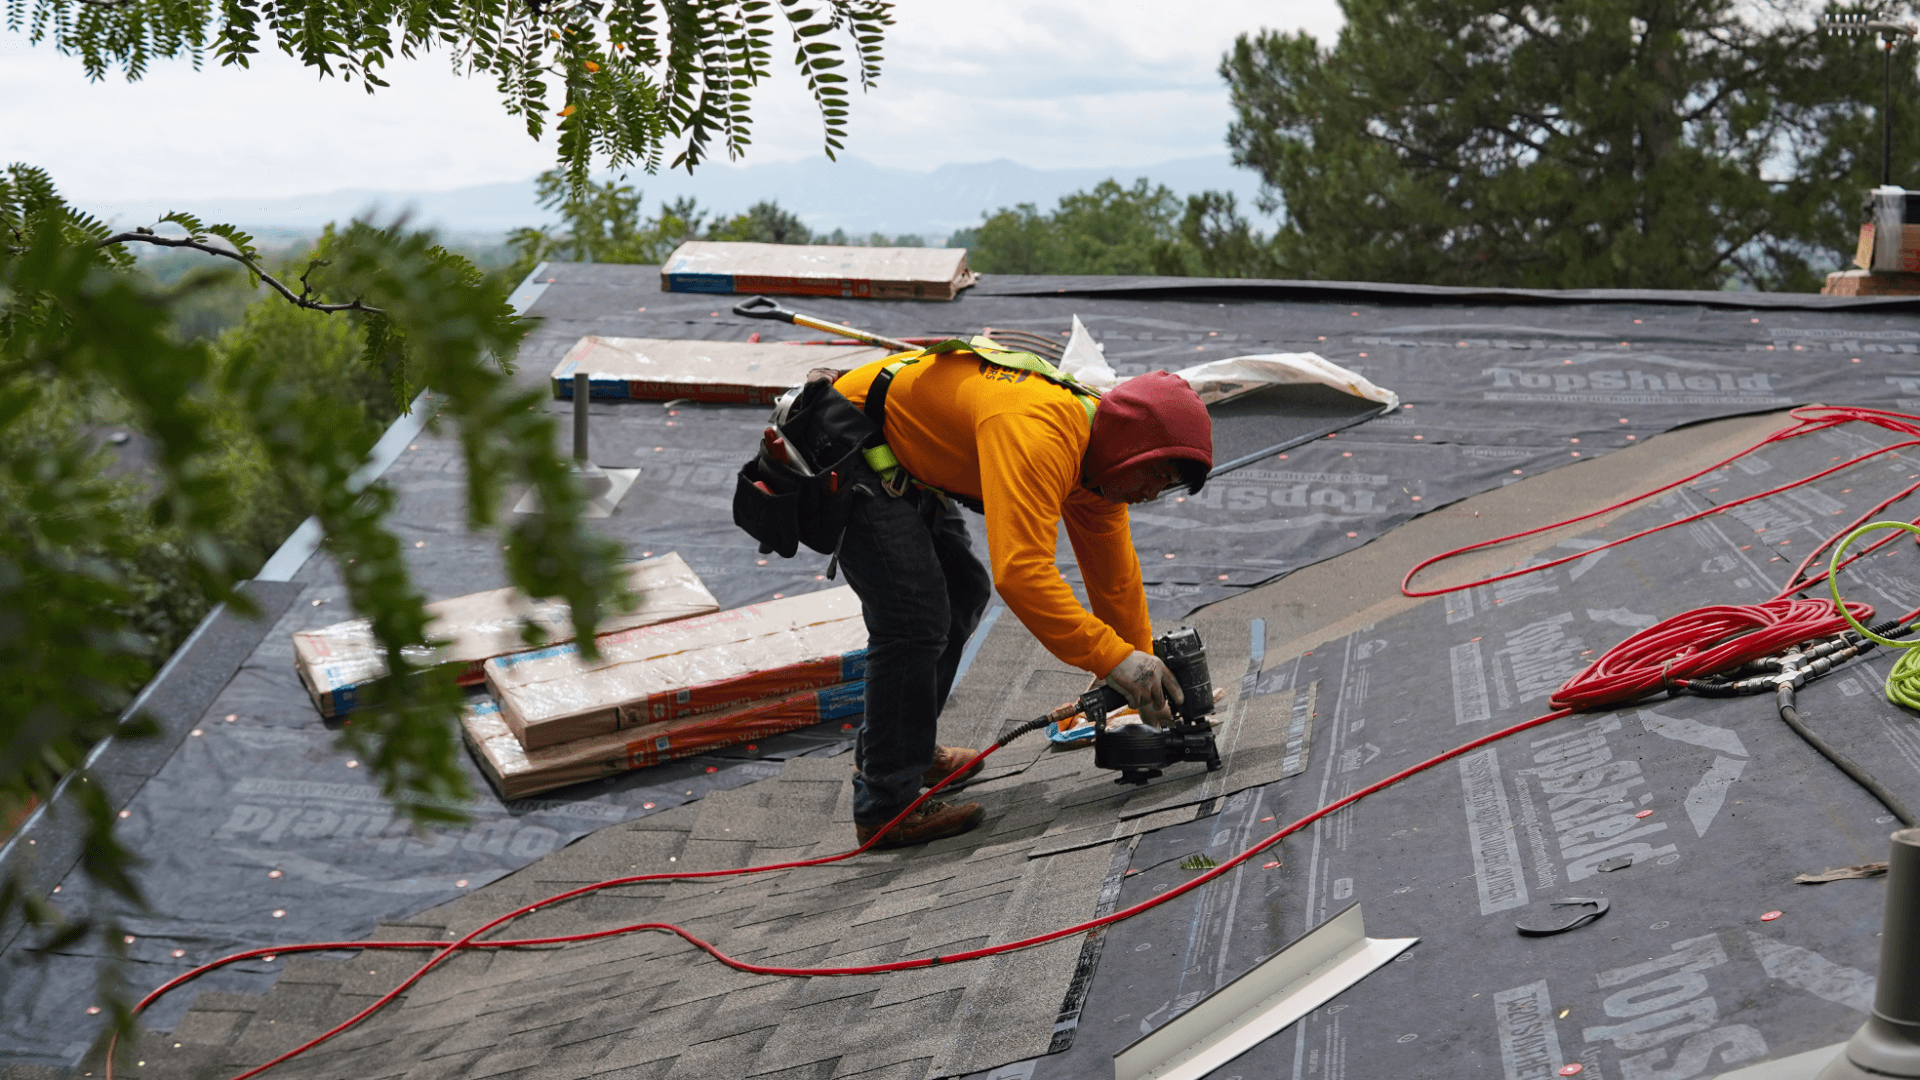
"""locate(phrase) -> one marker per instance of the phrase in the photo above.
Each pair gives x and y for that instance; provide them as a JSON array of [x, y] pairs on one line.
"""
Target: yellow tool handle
[[760, 307], [849, 332]]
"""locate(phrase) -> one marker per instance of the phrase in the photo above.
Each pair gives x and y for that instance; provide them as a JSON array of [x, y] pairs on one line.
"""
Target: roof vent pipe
[[596, 481], [604, 487], [1888, 1044]]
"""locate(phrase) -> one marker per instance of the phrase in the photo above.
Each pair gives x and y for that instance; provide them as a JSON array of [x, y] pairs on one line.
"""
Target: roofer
[[1032, 449]]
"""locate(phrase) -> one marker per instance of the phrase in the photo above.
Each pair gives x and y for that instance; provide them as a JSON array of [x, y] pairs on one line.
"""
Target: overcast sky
[[1043, 82]]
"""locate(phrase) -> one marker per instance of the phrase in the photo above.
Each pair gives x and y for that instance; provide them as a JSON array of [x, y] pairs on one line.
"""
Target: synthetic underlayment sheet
[[1681, 979], [1497, 386], [1708, 809]]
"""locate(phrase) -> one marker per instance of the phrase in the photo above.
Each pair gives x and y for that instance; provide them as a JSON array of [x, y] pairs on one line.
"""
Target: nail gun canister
[[1186, 657]]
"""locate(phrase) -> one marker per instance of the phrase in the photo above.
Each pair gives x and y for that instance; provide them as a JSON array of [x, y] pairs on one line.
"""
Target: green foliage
[[840, 238], [1217, 241], [1108, 230], [602, 223], [216, 302], [763, 223], [162, 599], [101, 573], [318, 356], [1574, 143], [630, 76], [68, 653]]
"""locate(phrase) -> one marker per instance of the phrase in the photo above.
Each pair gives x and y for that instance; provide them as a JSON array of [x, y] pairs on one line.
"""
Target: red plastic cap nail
[[1571, 1068], [1771, 915]]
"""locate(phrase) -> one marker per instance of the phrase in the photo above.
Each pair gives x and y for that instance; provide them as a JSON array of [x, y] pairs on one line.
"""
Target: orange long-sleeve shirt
[[1015, 441]]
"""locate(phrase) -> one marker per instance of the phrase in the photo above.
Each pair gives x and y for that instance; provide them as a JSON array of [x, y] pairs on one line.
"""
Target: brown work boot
[[934, 820], [946, 761]]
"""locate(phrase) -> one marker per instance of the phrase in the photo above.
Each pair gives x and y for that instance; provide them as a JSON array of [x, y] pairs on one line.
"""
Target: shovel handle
[[761, 307]]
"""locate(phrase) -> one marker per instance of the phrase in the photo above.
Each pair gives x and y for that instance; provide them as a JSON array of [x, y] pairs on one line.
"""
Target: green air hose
[[1903, 682]]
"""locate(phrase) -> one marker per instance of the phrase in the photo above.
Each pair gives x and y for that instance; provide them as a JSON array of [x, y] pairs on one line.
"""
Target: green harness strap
[[881, 458]]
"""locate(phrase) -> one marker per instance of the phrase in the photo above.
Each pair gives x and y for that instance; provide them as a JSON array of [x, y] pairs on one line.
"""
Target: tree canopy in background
[[1107, 230], [1682, 144], [602, 222]]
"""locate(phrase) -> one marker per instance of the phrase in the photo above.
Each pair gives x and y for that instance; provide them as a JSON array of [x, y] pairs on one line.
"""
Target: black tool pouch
[[772, 515], [808, 504]]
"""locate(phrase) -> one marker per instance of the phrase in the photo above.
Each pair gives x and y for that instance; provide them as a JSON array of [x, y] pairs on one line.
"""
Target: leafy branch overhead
[[77, 330], [627, 81], [239, 248]]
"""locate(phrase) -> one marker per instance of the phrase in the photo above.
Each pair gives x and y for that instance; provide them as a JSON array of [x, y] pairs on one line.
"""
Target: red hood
[[1151, 416]]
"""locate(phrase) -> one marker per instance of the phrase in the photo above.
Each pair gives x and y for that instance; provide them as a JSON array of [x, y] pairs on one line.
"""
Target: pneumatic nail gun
[[1140, 751]]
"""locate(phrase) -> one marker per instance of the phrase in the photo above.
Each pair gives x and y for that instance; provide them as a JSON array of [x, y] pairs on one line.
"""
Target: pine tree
[[1681, 144]]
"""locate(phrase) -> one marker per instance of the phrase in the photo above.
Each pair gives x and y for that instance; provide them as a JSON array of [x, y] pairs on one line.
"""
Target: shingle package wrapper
[[337, 662], [730, 372], [517, 772], [720, 266], [655, 673]]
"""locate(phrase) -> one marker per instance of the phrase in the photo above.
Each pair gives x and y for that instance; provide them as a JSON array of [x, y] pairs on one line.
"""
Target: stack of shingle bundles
[[661, 369], [337, 662], [879, 273], [659, 693]]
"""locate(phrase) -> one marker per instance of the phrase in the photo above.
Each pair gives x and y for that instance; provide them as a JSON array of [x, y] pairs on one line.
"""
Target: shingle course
[[652, 1005]]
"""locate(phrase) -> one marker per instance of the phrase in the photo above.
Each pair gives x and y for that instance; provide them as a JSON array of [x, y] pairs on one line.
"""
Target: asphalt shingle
[[653, 1005]]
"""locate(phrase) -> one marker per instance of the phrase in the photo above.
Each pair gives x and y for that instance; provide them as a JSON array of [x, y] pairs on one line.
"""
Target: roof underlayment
[[1500, 387]]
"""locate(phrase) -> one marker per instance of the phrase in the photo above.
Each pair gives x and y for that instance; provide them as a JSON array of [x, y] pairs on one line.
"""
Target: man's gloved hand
[[1147, 685]]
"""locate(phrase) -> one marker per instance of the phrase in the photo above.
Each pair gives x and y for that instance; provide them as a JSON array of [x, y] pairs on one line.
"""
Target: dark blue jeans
[[922, 592]]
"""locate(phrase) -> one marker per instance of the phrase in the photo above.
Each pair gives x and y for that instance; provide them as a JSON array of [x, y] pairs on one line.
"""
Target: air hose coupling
[[1713, 686]]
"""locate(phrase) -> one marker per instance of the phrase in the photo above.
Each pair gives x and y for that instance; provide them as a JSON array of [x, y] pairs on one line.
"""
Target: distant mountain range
[[850, 194]]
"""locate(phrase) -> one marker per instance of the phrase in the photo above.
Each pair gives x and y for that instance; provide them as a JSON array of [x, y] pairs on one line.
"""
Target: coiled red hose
[[1710, 639]]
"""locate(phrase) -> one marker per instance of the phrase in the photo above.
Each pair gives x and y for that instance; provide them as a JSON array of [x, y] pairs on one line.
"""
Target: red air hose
[[1711, 639], [467, 941], [1660, 657]]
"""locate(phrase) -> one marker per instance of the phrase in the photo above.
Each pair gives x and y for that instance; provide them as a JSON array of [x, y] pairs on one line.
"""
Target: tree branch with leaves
[[627, 82]]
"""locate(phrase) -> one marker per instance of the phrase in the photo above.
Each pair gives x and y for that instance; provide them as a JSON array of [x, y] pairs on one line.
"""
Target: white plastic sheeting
[[1223, 380]]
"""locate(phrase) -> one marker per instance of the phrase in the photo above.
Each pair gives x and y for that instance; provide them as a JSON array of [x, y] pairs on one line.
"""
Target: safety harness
[[880, 457]]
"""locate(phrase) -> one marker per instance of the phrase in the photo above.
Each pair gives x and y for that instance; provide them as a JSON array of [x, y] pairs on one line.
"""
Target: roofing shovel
[[760, 307]]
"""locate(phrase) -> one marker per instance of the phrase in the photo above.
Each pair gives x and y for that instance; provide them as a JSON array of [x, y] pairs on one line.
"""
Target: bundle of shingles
[[673, 690], [676, 676], [338, 663]]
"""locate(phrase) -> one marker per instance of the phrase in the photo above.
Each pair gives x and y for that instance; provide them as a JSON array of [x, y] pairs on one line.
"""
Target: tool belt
[[820, 453], [799, 488]]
